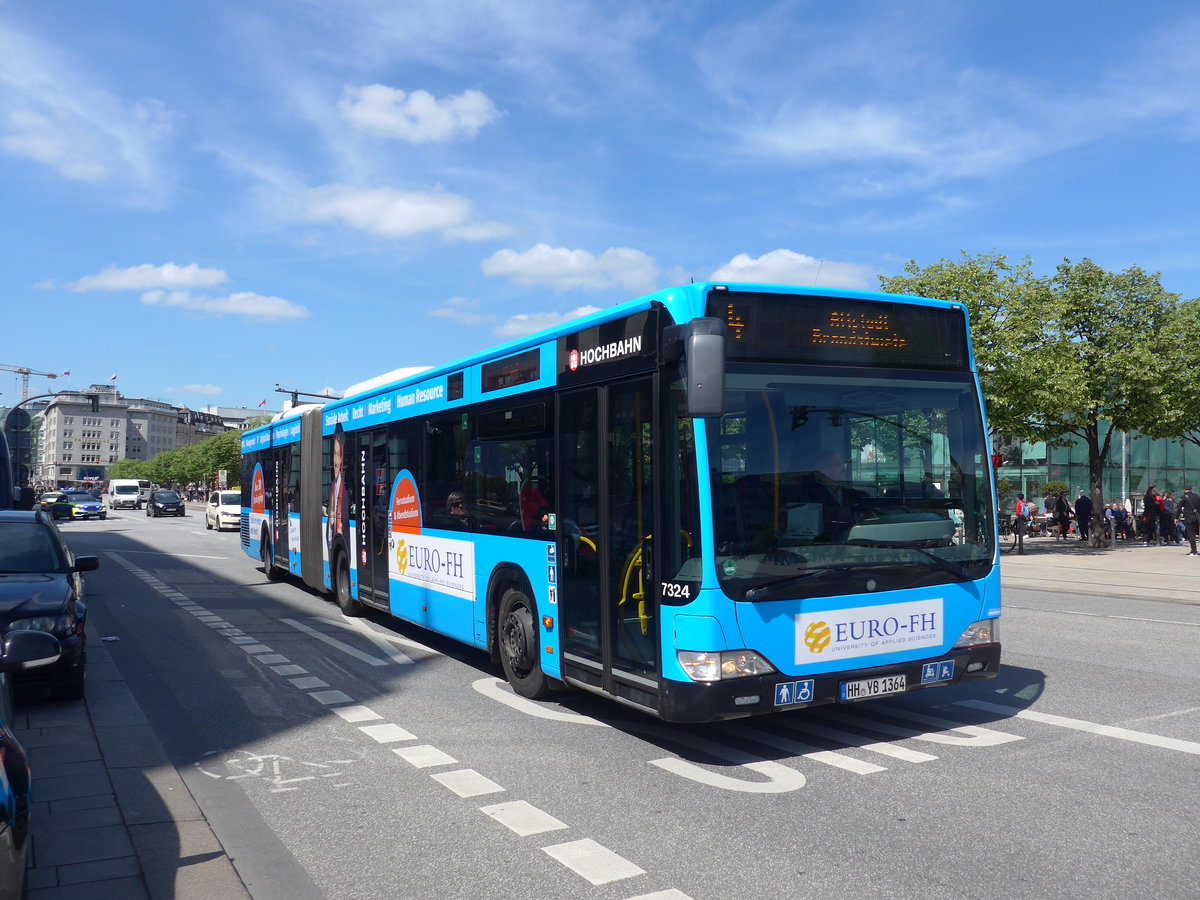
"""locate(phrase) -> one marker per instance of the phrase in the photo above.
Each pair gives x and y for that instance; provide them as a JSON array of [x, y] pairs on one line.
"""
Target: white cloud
[[210, 390], [417, 117], [391, 213], [243, 303], [564, 270], [789, 267], [56, 116], [460, 309], [148, 277], [529, 323]]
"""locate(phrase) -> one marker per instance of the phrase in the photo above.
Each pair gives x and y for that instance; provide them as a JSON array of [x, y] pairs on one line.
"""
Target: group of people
[[1163, 519]]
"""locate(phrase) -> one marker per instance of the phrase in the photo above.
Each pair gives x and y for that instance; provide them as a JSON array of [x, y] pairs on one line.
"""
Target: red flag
[[112, 377], [264, 403], [68, 372]]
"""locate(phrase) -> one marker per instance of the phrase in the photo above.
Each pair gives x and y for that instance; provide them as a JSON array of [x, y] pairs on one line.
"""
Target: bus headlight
[[703, 665], [985, 631]]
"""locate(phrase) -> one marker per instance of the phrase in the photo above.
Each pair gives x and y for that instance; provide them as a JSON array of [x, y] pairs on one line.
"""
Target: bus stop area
[[1130, 569]]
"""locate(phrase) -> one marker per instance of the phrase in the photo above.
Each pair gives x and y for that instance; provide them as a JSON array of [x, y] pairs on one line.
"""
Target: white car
[[224, 508]]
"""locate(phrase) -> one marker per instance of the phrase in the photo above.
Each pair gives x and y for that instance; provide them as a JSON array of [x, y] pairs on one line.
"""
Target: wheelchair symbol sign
[[790, 692]]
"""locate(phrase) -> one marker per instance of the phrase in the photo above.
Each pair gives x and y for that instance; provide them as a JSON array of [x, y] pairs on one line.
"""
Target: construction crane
[[25, 372]]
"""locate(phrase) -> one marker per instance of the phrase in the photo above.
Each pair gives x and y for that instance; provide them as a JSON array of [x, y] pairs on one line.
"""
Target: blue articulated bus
[[716, 501]]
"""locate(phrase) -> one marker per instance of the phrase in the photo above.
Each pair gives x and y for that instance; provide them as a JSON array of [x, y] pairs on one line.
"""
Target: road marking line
[[272, 659], [382, 641], [672, 894], [808, 751], [385, 734], [335, 643], [467, 783], [358, 713], [523, 818], [968, 735], [593, 861], [1139, 737], [883, 748], [289, 670], [330, 697], [423, 756], [308, 683], [255, 649], [496, 689], [177, 555]]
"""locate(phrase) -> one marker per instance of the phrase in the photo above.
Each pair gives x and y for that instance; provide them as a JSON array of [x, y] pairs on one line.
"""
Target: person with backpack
[[1022, 513]]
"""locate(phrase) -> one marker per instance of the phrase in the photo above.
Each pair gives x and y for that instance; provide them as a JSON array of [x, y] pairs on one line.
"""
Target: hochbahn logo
[[605, 352]]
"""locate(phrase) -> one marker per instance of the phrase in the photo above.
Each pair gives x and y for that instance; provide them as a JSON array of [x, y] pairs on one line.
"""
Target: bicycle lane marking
[[585, 857], [1124, 734]]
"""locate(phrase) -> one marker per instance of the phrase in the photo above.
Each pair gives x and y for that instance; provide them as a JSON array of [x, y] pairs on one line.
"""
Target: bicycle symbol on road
[[281, 773]]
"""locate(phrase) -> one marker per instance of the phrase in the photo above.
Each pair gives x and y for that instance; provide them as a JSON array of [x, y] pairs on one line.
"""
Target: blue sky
[[210, 198]]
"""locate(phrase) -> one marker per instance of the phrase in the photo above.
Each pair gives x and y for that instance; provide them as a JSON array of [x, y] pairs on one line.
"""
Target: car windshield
[[81, 498], [231, 498], [165, 496], [125, 489], [27, 547], [820, 477]]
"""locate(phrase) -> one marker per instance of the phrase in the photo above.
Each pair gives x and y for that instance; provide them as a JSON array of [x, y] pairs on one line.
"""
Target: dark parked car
[[164, 503], [20, 650], [41, 589]]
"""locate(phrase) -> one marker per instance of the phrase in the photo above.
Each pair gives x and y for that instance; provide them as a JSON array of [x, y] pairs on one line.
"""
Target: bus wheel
[[272, 571], [518, 637], [346, 603]]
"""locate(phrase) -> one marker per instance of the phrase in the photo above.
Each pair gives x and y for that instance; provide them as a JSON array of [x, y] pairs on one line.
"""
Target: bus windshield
[[831, 480]]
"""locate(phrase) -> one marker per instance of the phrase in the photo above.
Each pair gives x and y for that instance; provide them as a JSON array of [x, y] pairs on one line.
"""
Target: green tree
[[1096, 338]]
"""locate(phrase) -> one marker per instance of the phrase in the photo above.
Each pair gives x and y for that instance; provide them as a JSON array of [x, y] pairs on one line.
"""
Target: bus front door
[[377, 482], [606, 592]]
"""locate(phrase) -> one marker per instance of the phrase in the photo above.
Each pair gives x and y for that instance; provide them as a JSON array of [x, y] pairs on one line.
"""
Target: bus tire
[[272, 571], [519, 650], [341, 589]]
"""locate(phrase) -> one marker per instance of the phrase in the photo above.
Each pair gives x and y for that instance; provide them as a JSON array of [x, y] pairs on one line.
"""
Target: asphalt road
[[363, 758]]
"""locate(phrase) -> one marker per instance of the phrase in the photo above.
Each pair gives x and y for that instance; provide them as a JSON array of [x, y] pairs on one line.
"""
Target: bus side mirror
[[701, 344]]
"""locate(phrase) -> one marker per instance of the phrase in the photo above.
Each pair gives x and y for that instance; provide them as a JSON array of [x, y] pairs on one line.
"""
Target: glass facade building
[[1134, 463]]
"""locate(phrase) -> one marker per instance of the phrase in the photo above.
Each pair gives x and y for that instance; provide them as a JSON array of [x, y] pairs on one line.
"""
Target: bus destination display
[[837, 331]]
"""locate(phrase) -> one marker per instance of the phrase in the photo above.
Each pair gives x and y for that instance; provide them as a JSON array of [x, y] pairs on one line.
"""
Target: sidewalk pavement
[[113, 818], [1131, 569]]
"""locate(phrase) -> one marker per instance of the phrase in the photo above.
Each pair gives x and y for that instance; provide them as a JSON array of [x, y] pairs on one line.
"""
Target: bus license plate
[[874, 687]]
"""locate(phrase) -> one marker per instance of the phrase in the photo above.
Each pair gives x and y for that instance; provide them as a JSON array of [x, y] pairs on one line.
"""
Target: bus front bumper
[[737, 698]]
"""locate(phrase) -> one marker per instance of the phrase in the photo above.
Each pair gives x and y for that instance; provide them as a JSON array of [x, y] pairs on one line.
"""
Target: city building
[[71, 441], [1134, 463]]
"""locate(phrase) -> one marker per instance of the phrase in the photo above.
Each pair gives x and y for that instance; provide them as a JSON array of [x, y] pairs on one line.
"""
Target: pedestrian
[[1062, 516], [1149, 514], [1083, 515], [1166, 519], [1189, 512]]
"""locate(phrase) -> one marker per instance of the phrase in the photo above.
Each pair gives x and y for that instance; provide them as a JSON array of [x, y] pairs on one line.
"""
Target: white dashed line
[[330, 697], [357, 713], [467, 783], [523, 818], [593, 861], [423, 756], [387, 734]]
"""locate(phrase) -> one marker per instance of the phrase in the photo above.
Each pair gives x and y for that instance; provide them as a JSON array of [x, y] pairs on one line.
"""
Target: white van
[[130, 493]]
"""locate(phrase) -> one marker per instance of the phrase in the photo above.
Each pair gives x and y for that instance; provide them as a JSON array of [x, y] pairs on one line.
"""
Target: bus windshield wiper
[[766, 591], [942, 563]]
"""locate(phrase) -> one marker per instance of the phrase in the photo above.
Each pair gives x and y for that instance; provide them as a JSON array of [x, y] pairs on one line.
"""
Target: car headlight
[[703, 665], [60, 626], [985, 631]]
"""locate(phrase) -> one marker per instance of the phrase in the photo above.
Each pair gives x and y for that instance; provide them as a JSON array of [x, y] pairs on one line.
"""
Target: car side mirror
[[28, 650], [86, 563]]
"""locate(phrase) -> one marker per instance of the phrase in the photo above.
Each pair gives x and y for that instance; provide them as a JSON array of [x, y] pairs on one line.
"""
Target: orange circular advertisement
[[406, 505]]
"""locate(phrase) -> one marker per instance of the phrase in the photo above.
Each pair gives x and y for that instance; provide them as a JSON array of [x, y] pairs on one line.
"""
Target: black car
[[41, 589], [164, 503]]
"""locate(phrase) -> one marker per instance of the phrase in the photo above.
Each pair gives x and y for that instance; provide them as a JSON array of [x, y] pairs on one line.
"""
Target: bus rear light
[[708, 666]]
